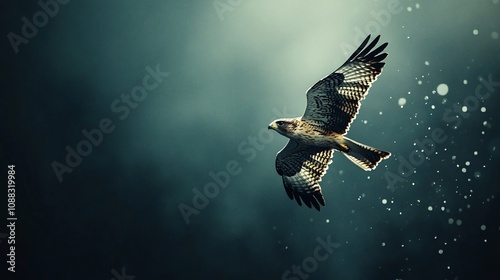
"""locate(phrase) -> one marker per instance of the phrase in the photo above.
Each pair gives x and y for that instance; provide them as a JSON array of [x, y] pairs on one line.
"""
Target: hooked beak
[[272, 125]]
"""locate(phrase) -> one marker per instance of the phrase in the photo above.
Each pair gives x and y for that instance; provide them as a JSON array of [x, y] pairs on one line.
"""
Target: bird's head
[[283, 126]]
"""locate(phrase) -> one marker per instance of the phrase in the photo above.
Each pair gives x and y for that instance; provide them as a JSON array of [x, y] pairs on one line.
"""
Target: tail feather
[[364, 156]]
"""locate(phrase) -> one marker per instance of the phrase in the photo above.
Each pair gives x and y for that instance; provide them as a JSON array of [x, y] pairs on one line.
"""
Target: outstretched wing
[[333, 102], [301, 168]]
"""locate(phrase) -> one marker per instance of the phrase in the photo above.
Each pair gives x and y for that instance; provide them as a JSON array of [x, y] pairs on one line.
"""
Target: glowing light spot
[[402, 101], [475, 31], [442, 89]]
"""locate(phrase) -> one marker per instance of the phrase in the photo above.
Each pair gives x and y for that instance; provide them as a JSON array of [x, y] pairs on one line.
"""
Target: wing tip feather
[[367, 53]]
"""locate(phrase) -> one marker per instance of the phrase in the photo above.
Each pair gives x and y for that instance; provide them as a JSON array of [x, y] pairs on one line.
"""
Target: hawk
[[332, 105]]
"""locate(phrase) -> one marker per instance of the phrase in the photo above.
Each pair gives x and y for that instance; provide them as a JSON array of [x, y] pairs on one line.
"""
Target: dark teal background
[[234, 66]]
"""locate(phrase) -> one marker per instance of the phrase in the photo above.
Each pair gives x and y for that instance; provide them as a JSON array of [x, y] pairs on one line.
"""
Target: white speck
[[442, 89], [475, 31], [459, 222], [483, 227], [467, 163], [464, 170], [440, 251], [426, 63], [433, 107], [475, 153], [483, 109], [327, 221], [429, 208], [465, 82], [409, 9], [383, 244], [442, 208], [419, 82], [450, 221], [494, 35], [402, 101], [477, 174], [417, 5], [384, 201], [464, 109]]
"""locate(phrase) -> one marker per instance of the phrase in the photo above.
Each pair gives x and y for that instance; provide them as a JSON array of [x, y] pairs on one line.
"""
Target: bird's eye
[[280, 123]]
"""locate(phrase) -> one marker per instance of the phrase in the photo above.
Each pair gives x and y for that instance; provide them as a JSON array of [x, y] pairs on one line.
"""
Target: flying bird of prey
[[332, 105]]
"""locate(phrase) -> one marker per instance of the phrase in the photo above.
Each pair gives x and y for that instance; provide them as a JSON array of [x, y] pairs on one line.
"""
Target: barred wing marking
[[334, 101], [301, 168]]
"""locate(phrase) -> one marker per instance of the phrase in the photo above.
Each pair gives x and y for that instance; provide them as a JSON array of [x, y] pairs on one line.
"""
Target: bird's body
[[332, 104], [313, 135]]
